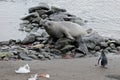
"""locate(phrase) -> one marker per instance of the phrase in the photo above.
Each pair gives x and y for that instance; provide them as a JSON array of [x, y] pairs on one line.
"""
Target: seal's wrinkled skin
[[64, 29]]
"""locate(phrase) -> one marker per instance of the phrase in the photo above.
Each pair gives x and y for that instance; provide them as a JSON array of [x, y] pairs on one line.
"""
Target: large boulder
[[29, 39], [43, 6]]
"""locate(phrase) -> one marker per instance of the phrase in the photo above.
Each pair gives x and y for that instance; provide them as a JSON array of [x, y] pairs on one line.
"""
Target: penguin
[[103, 59]]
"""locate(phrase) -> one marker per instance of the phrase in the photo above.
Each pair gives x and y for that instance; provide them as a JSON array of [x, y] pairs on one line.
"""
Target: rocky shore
[[37, 45]]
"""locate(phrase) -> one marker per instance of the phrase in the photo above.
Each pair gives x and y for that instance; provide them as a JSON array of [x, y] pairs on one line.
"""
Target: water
[[103, 15]]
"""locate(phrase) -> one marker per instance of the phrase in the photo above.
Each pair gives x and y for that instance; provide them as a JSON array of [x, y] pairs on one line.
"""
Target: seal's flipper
[[68, 35]]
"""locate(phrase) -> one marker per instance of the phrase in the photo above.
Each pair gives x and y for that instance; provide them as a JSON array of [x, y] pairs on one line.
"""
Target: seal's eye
[[48, 24]]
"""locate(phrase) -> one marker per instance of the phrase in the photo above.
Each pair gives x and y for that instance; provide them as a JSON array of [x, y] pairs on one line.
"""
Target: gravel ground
[[62, 69]]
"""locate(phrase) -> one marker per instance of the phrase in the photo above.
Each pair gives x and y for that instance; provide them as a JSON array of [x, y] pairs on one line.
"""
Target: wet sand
[[62, 69]]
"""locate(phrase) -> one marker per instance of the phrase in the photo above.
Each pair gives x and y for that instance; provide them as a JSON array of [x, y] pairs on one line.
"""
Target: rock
[[57, 57], [58, 17], [33, 56], [6, 54], [118, 48], [97, 53], [5, 48], [12, 42], [56, 9], [44, 16], [4, 43], [67, 56], [29, 39], [27, 29], [29, 26], [34, 24], [35, 43], [62, 42], [23, 25], [103, 44], [108, 48], [82, 46], [18, 41], [92, 39], [97, 48], [41, 39], [35, 29], [118, 42], [41, 12], [90, 45], [47, 55], [92, 52], [78, 21], [67, 48], [6, 58], [38, 46], [112, 46], [78, 55], [55, 51], [41, 6], [44, 34], [79, 50], [30, 16], [110, 41], [40, 56], [23, 56], [113, 51]]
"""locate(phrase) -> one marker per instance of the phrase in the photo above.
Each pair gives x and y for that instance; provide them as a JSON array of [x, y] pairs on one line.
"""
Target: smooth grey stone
[[103, 44], [43, 6], [6, 54], [56, 9], [41, 12], [118, 48], [6, 58], [108, 48], [114, 51], [27, 29], [92, 39], [23, 56], [112, 46], [67, 48], [62, 42], [30, 16], [97, 48], [41, 56], [35, 24], [78, 55], [58, 17], [92, 51], [4, 43], [40, 39], [29, 39], [44, 34], [35, 29], [44, 16], [33, 56], [18, 41], [118, 42], [57, 57], [55, 51], [78, 21], [47, 55]]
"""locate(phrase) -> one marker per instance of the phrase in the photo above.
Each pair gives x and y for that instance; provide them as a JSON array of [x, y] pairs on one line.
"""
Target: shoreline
[[77, 69]]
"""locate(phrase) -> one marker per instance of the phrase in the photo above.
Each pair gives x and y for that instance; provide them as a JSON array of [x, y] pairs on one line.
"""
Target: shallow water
[[102, 15]]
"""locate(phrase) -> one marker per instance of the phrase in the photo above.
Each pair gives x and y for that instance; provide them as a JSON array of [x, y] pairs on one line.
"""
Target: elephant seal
[[65, 29]]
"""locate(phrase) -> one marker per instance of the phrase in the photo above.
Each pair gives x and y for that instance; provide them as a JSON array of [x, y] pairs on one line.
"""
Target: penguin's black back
[[104, 60]]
